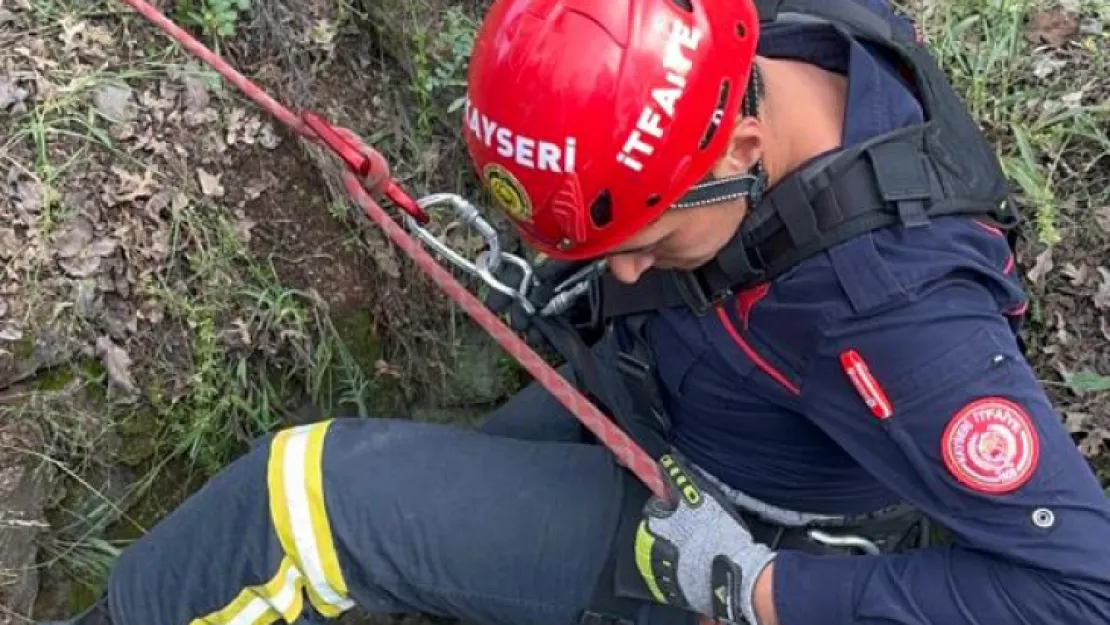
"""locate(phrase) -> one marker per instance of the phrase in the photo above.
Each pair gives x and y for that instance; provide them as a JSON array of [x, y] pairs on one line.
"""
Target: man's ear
[[743, 151]]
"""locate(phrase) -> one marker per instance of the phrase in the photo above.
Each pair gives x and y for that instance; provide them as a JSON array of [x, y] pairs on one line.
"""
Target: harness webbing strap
[[889, 181], [606, 374]]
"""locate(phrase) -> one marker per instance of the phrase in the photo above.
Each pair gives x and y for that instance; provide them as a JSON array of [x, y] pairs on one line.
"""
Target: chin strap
[[749, 185]]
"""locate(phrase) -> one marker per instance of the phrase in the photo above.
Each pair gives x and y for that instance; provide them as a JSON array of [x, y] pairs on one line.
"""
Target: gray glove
[[697, 554]]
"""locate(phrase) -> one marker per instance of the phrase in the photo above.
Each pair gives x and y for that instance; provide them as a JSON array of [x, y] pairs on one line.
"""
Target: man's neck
[[805, 107]]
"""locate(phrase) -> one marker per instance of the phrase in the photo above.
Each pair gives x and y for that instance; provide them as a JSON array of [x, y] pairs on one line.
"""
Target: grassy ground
[[177, 275], [1035, 75], [177, 279]]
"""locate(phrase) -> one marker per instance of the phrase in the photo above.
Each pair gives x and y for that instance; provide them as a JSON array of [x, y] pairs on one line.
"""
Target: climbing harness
[[940, 168], [943, 167], [905, 178], [368, 175]]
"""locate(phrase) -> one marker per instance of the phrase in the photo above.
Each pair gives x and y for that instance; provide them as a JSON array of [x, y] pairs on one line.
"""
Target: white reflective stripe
[[260, 605], [300, 518], [282, 601]]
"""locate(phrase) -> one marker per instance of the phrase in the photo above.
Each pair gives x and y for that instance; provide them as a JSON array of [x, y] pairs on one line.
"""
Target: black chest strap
[[891, 180]]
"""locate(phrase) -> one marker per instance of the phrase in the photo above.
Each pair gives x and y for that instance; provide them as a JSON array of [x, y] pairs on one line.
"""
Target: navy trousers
[[509, 524]]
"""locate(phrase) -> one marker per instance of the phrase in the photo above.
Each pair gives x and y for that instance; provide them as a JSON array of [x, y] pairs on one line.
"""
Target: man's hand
[[697, 554]]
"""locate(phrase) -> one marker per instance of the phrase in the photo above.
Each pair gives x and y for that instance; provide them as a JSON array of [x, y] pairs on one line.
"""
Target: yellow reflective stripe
[[281, 597], [300, 516], [644, 544], [279, 508], [314, 485]]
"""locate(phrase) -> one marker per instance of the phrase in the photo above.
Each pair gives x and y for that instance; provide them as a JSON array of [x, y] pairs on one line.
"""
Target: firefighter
[[812, 306]]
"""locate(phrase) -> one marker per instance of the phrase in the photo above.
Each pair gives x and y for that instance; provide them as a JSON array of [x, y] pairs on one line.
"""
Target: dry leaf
[[1076, 421], [1044, 66], [255, 189], [1102, 218], [179, 203], [243, 227], [71, 30], [1092, 444], [1102, 296], [132, 187], [86, 303], [74, 239], [1051, 27], [1041, 267], [1062, 336], [151, 311], [210, 184], [158, 104], [103, 247], [156, 204], [26, 192], [8, 243], [193, 119], [1076, 275], [116, 102], [382, 367], [11, 96], [268, 138], [1073, 98], [117, 363], [196, 93], [238, 336], [80, 266], [10, 332]]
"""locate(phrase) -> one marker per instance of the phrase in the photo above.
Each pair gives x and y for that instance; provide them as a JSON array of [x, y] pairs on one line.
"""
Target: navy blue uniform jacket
[[887, 369]]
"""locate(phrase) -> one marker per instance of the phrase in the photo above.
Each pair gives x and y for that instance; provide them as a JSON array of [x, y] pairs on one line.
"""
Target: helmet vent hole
[[653, 200], [601, 211], [741, 30], [718, 115], [685, 5]]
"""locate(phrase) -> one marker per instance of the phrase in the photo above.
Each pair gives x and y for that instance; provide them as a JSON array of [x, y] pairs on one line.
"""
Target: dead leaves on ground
[[117, 364], [1052, 27], [85, 250], [210, 183]]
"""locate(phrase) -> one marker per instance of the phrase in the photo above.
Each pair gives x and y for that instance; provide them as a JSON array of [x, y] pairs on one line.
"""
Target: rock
[[21, 360], [23, 491], [478, 376]]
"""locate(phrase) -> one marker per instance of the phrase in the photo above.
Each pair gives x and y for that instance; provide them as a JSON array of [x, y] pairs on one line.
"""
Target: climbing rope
[[368, 175]]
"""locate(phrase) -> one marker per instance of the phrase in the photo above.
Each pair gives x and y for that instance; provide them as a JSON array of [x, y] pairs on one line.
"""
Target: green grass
[[235, 354], [441, 52], [983, 47]]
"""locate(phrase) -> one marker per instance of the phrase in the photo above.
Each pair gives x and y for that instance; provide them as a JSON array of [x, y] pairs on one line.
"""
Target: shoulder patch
[[991, 446]]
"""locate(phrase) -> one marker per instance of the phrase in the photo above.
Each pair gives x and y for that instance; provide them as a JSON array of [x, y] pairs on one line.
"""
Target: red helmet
[[587, 119]]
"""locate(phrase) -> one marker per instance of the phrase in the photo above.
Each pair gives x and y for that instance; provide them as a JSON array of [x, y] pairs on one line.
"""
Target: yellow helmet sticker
[[508, 192]]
